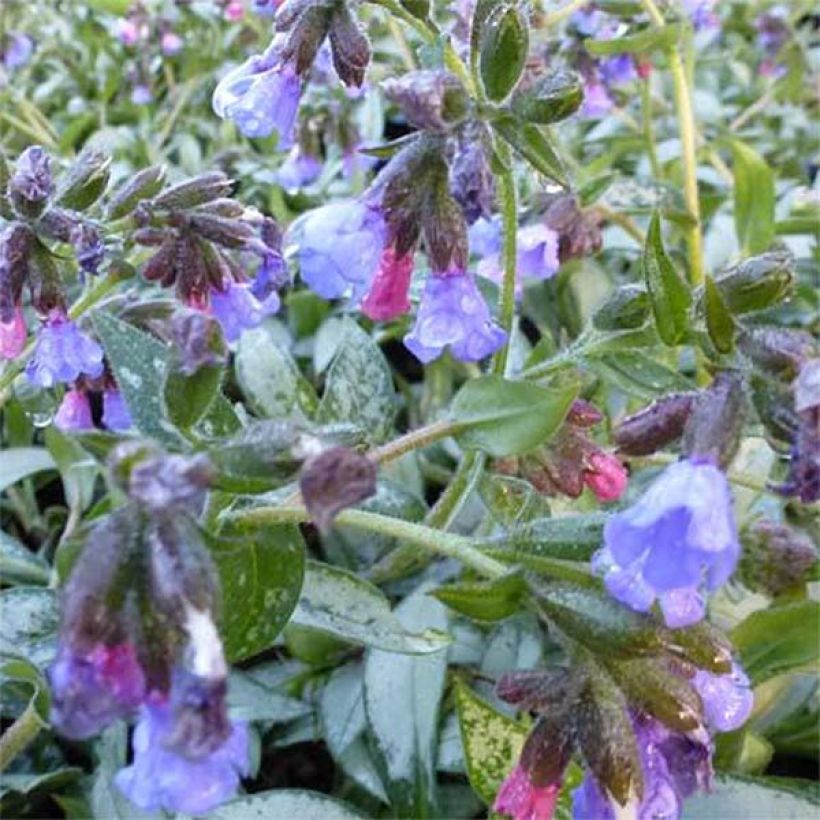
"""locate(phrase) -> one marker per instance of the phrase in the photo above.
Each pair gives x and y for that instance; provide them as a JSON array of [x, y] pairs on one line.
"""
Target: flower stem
[[19, 735], [648, 131], [414, 440], [441, 543], [509, 228]]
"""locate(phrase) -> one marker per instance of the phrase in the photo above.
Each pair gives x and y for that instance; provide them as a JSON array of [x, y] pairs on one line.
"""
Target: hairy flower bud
[[443, 226], [656, 426], [551, 98], [472, 182], [775, 350], [31, 185], [431, 100], [758, 282], [16, 243], [776, 557], [349, 47], [333, 480], [714, 425], [579, 235]]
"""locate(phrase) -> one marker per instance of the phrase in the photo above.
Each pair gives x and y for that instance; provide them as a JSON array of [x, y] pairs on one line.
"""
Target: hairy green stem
[[19, 735], [463, 482], [648, 131], [442, 543], [414, 440], [508, 197]]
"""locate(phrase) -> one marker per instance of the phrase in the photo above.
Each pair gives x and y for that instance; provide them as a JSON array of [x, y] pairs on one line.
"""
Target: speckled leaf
[[402, 700], [261, 570], [359, 387], [19, 565], [139, 362], [341, 708], [349, 607], [282, 803], [270, 379], [491, 740], [484, 600], [28, 623], [744, 798]]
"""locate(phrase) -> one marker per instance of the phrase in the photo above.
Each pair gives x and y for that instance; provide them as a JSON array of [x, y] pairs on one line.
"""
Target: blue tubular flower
[[160, 778], [63, 353], [453, 313], [237, 309], [678, 538], [299, 169], [93, 689], [727, 699], [536, 257], [674, 766], [340, 247], [116, 415], [261, 96]]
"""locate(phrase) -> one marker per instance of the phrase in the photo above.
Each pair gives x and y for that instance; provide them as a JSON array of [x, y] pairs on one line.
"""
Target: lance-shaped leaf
[[719, 321], [492, 741], [504, 43], [754, 199], [505, 417], [668, 292], [532, 145], [650, 39], [485, 600]]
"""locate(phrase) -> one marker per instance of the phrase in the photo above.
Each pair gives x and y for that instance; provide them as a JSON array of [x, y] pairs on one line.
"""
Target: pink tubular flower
[[605, 476], [12, 335], [74, 412], [387, 297], [521, 799]]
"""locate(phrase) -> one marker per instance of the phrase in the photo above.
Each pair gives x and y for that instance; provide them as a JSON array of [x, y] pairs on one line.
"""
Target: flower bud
[[443, 226], [349, 47], [333, 480], [197, 191], [758, 282], [605, 476], [44, 280], [31, 185], [143, 185], [431, 100], [230, 233], [472, 182], [16, 242], [773, 402], [163, 483], [776, 557], [657, 425], [713, 429], [624, 309], [551, 98], [197, 340], [86, 180], [775, 350]]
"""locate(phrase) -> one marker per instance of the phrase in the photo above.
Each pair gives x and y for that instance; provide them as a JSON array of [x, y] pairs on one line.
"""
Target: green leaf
[[492, 742], [28, 623], [282, 803], [654, 38], [485, 600], [189, 397], [359, 386], [347, 606], [261, 570], [270, 379], [505, 417], [511, 501], [668, 293], [341, 708], [638, 374], [139, 362], [754, 199], [719, 321], [78, 469], [17, 671], [250, 699], [744, 798], [402, 700], [775, 640], [19, 565], [503, 52], [530, 142], [18, 463]]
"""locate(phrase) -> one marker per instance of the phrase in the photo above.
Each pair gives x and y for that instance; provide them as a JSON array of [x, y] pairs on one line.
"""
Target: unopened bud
[[776, 557], [605, 476], [197, 338], [431, 100], [551, 98], [349, 47], [16, 242], [334, 480], [713, 429], [86, 180], [32, 184], [775, 350], [757, 283], [444, 228], [230, 233], [143, 185], [472, 182], [657, 425]]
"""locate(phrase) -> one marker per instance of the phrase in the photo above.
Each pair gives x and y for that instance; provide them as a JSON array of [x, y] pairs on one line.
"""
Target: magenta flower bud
[[727, 699], [521, 799], [387, 297], [261, 96], [339, 247], [90, 690], [453, 314], [74, 412], [237, 309], [13, 335], [171, 43], [160, 778], [679, 537], [63, 353], [234, 11], [605, 476], [116, 415]]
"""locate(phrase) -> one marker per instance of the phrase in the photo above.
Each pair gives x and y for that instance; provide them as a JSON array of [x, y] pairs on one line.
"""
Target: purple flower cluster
[[63, 353], [237, 309], [677, 540]]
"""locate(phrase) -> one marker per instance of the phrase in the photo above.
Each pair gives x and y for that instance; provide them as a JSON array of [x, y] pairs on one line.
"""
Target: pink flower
[[605, 476], [387, 297], [521, 799], [234, 11], [74, 412], [12, 335]]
